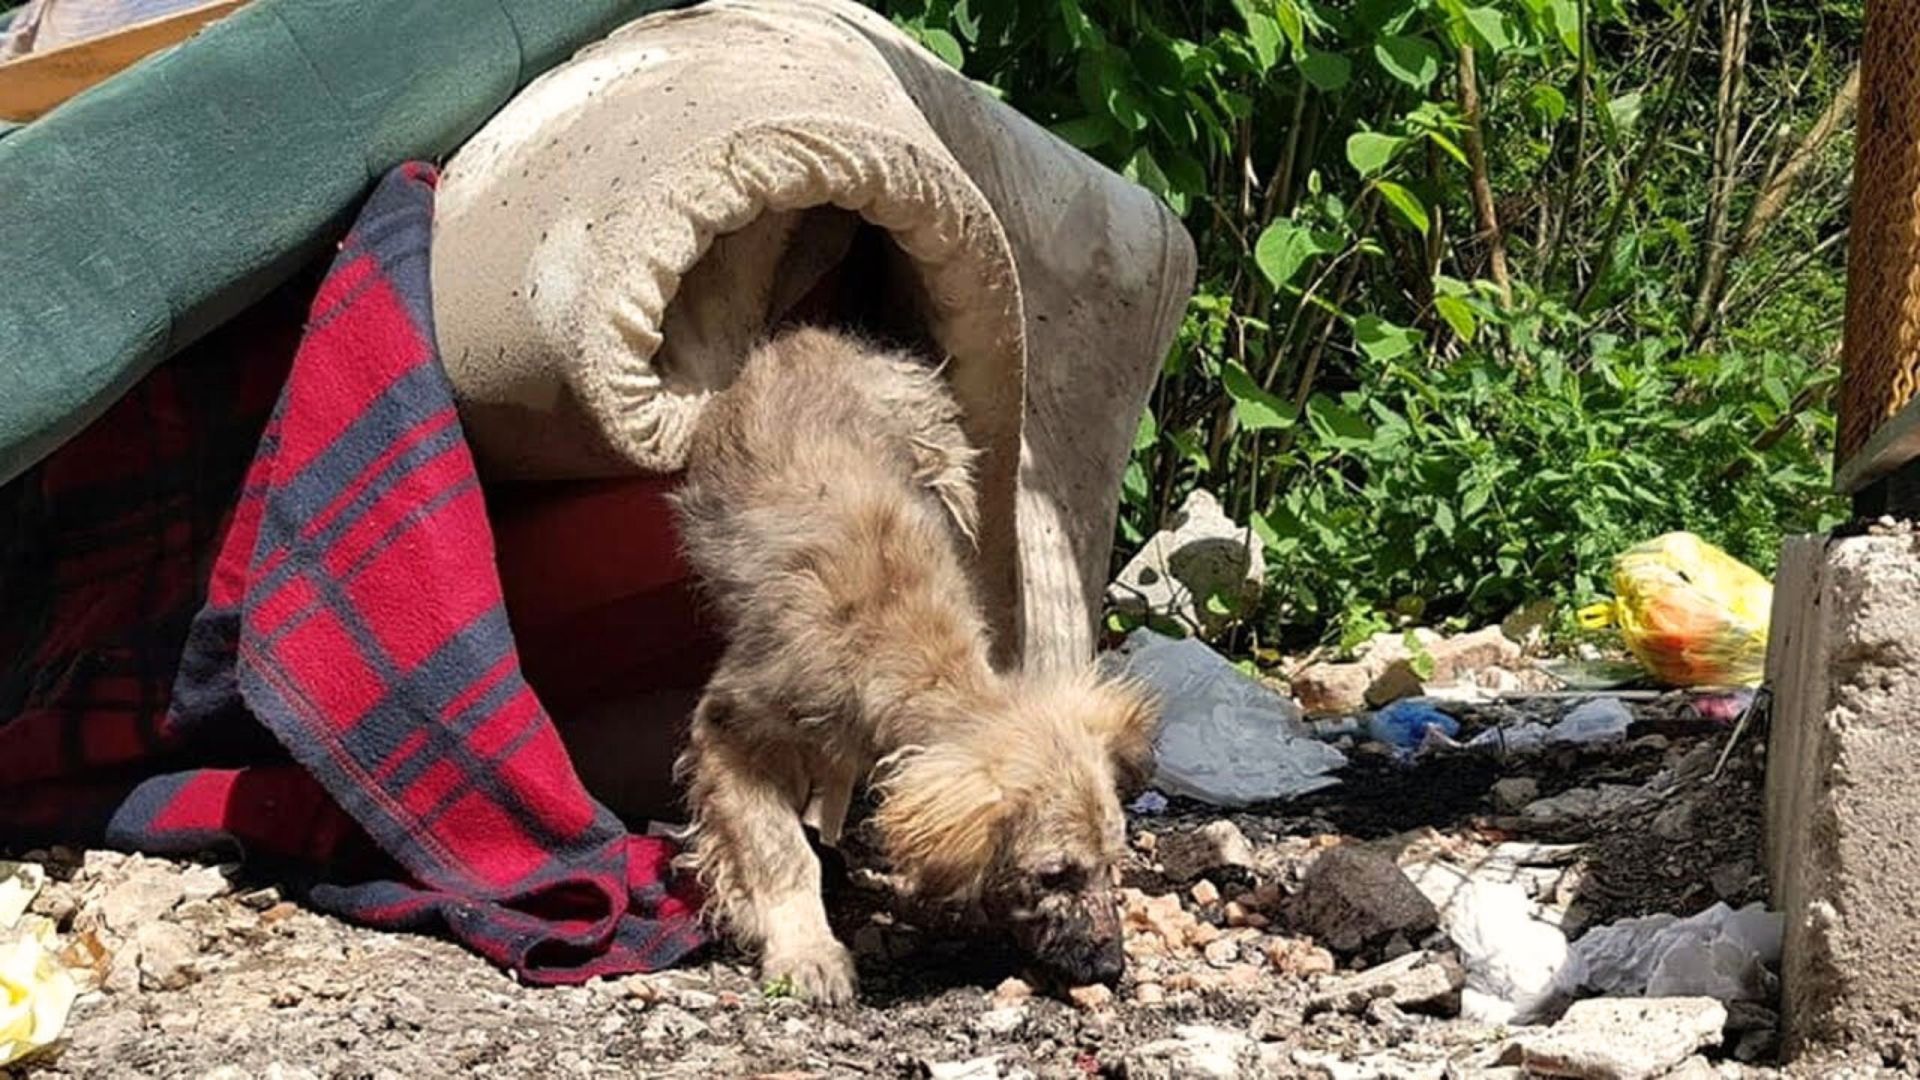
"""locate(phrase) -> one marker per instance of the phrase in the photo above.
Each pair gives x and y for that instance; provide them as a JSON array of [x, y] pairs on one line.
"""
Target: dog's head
[[1021, 812]]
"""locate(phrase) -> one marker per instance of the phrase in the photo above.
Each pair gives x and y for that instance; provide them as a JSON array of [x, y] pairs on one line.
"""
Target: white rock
[[1197, 1050], [150, 891], [984, 1068], [203, 883], [1001, 1023], [1203, 555], [20, 882], [167, 955], [1623, 1038]]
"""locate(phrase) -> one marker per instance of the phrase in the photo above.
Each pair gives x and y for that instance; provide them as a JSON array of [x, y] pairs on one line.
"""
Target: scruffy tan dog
[[826, 511]]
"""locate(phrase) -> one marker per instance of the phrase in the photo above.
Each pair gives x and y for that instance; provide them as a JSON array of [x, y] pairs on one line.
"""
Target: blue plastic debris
[[1150, 803], [1404, 725]]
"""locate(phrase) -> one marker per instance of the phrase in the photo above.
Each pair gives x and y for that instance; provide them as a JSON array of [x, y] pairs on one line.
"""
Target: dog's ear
[[941, 817], [1125, 714]]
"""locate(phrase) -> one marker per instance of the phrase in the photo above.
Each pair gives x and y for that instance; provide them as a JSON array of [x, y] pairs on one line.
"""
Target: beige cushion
[[609, 245]]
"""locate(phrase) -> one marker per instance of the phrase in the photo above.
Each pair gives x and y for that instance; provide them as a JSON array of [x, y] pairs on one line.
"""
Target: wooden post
[[1881, 362]]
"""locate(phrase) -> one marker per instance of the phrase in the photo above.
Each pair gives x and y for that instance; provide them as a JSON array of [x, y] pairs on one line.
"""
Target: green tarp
[[149, 209]]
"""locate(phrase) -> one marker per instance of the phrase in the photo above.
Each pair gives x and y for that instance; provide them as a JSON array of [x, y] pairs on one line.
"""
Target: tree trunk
[[1490, 233]]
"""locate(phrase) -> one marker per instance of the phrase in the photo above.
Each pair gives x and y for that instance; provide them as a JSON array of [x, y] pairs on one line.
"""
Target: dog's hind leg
[[762, 877]]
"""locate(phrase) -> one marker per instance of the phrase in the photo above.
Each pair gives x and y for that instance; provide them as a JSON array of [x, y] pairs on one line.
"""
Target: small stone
[[260, 899], [669, 1024], [986, 1068], [1149, 994], [1757, 1046], [1222, 953], [1353, 896], [1730, 880], [202, 883], [167, 953], [1205, 893], [1094, 998], [1745, 1016], [1415, 981], [1241, 977], [149, 892], [696, 1000], [1332, 689], [1145, 842], [1203, 935], [279, 913], [1623, 1038], [1301, 959], [643, 989], [1235, 913], [1001, 1023], [1513, 793], [1198, 1051], [1215, 846], [1011, 991], [1673, 822]]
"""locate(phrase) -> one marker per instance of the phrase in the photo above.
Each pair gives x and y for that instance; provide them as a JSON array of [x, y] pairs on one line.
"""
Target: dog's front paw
[[821, 973]]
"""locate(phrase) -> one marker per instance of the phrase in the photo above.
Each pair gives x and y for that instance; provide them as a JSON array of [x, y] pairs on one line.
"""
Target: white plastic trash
[[1224, 738]]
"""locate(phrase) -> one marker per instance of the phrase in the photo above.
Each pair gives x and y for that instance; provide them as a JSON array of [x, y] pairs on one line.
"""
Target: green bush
[[1421, 421]]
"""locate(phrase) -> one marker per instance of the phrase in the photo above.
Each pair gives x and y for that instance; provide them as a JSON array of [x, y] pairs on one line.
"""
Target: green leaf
[[1413, 60], [1263, 32], [1257, 409], [1283, 248], [1624, 111], [945, 46], [1458, 314], [1147, 434], [1336, 425], [1192, 449], [1382, 340], [1263, 528], [1133, 484], [1444, 519], [1086, 132], [1547, 104], [1406, 204], [1326, 71], [1565, 16], [1287, 14], [1490, 27], [1475, 500], [1369, 151]]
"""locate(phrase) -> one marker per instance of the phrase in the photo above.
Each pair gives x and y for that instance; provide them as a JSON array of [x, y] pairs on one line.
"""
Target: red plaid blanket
[[164, 605]]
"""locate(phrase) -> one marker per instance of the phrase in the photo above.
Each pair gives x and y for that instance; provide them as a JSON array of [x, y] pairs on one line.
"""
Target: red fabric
[[353, 610], [600, 599]]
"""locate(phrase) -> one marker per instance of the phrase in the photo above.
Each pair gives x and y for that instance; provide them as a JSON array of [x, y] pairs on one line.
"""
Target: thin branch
[[1490, 234]]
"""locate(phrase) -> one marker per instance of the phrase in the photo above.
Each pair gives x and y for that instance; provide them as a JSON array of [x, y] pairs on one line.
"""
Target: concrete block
[[1843, 796]]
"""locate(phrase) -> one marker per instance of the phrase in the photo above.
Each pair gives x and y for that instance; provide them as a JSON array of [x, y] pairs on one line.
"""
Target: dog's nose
[[1108, 962], [1098, 961]]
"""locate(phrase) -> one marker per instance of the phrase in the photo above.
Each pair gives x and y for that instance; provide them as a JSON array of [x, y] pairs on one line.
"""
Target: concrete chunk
[[1842, 806]]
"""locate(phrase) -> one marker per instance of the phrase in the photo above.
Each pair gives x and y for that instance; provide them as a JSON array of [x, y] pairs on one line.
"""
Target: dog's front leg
[[753, 856]]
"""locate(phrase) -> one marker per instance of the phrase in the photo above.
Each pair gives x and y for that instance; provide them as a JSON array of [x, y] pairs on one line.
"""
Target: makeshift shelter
[[603, 250]]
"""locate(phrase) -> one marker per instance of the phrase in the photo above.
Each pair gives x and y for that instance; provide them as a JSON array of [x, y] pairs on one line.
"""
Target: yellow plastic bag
[[1692, 614]]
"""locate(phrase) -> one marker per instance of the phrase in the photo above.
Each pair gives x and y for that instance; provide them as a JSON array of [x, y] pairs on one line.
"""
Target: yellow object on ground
[[36, 992], [1692, 614]]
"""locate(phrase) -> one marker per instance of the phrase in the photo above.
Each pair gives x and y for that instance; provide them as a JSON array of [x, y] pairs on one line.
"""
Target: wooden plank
[[36, 83], [1892, 445]]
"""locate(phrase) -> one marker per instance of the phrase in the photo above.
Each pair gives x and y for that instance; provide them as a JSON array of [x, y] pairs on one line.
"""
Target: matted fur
[[826, 510]]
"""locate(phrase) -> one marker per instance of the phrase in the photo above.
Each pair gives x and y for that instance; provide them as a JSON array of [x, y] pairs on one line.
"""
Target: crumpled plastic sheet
[[1720, 953], [1224, 738], [36, 989]]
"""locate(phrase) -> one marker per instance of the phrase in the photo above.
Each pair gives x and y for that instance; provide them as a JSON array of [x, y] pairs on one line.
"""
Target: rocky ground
[[1284, 941]]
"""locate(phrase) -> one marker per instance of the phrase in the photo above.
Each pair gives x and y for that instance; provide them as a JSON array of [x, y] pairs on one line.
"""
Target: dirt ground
[[1221, 983]]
